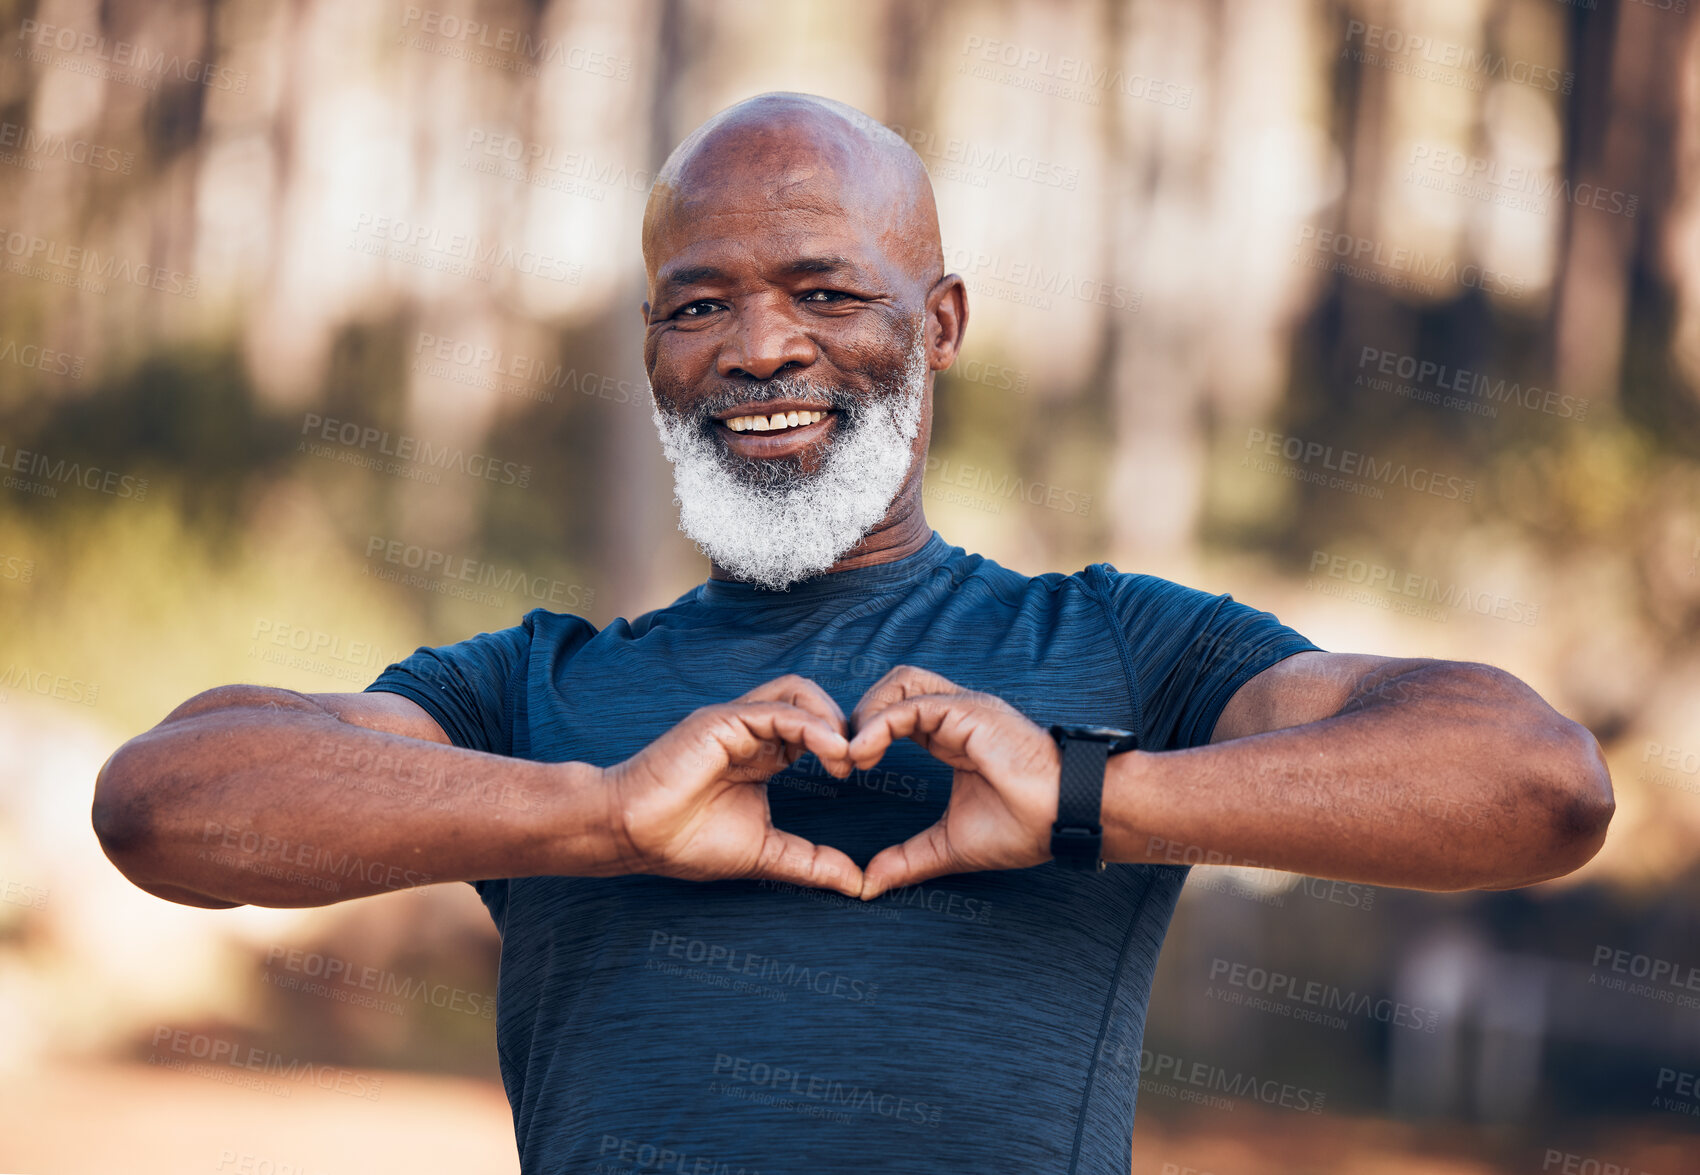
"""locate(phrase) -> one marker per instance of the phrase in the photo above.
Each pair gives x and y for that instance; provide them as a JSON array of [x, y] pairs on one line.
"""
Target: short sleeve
[[468, 687], [1189, 652]]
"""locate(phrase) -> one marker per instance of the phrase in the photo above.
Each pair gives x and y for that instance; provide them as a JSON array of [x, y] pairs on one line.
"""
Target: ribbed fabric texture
[[980, 1022]]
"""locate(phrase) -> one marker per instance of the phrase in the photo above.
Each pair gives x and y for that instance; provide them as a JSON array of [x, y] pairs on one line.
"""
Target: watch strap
[[1077, 837]]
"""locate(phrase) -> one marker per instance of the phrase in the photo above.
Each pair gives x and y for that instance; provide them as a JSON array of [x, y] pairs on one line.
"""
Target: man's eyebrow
[[831, 263], [690, 275]]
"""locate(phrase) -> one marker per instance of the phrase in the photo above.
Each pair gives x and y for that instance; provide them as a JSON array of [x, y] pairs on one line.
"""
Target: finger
[[797, 690], [772, 756], [786, 857], [905, 681], [922, 857], [870, 745], [797, 728], [942, 726]]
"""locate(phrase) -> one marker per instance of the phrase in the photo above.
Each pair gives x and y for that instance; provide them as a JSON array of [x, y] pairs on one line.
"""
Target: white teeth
[[775, 421]]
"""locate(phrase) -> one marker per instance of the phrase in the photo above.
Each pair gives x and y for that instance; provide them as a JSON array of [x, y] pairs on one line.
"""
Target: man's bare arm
[[1437, 775], [251, 795]]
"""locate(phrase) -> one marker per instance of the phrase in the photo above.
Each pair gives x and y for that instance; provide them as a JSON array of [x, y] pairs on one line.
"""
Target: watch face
[[1119, 739]]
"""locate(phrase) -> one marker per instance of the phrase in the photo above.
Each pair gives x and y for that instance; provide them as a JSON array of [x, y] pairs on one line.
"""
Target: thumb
[[787, 857], [922, 857]]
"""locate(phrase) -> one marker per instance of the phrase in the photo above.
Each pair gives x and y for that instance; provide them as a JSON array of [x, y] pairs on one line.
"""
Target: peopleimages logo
[[47, 684], [36, 146], [122, 61], [338, 975], [1064, 76], [632, 1155], [1367, 259], [1673, 767], [547, 165], [1352, 466], [1281, 988], [42, 359], [942, 471], [1378, 576], [1374, 44], [18, 893], [367, 439], [972, 162], [452, 35], [826, 1090], [29, 255], [1666, 979], [483, 366], [1523, 188], [1677, 1091], [1175, 1076], [446, 569], [1570, 1163], [57, 471], [257, 852], [216, 1050], [1433, 382], [1031, 284], [764, 968], [466, 254]]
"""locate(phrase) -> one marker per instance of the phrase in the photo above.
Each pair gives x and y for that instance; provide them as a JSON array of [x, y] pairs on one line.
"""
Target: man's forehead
[[796, 190], [786, 164], [766, 251], [773, 221]]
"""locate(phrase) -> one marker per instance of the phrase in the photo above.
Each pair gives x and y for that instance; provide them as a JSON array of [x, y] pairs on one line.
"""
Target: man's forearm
[[1444, 777], [285, 805]]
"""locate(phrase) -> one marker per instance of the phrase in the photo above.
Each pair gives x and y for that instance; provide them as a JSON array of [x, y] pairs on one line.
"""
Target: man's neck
[[903, 531]]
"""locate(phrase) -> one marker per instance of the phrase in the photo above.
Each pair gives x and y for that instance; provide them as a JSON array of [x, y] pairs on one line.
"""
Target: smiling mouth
[[776, 422]]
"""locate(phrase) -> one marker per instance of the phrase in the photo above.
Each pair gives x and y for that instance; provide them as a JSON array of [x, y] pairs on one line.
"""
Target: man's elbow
[[122, 818], [1578, 798], [119, 813]]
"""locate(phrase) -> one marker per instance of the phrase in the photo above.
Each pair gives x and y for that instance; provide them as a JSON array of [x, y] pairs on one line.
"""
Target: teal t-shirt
[[979, 1022]]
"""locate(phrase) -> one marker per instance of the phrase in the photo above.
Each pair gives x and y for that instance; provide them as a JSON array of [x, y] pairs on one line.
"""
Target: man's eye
[[825, 296], [697, 309]]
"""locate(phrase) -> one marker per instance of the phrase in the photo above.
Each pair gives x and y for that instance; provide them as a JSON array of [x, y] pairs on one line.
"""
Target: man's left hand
[[1003, 796]]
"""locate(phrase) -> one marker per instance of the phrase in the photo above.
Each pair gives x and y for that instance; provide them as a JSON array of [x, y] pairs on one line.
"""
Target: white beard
[[797, 527]]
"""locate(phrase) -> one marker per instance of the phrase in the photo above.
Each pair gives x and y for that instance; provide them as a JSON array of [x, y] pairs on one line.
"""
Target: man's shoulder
[[540, 627], [501, 650], [1132, 601], [1102, 580]]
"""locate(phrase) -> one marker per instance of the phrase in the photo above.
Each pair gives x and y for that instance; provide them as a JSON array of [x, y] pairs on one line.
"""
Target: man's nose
[[765, 341]]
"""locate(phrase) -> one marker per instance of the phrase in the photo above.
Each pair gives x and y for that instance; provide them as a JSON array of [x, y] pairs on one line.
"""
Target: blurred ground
[[154, 1122], [1267, 1144], [159, 1123]]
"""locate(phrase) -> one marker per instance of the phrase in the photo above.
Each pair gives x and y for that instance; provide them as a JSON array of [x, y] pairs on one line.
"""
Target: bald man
[[742, 932]]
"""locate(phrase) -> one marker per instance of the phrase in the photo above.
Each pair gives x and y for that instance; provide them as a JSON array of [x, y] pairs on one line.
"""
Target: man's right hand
[[693, 803]]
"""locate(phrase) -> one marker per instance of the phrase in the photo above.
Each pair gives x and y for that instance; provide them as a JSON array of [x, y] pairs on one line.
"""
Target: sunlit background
[[319, 341]]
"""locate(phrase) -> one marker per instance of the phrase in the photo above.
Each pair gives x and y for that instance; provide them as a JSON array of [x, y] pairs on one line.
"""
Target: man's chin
[[769, 474], [777, 519], [769, 558]]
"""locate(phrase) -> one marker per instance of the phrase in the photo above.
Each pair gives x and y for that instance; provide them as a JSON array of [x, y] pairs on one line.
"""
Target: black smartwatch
[[1077, 837]]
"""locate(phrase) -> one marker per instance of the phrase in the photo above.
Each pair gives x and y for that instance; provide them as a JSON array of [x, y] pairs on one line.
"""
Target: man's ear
[[947, 320]]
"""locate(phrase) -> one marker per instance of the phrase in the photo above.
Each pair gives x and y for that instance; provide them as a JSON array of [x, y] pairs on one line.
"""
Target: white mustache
[[767, 522]]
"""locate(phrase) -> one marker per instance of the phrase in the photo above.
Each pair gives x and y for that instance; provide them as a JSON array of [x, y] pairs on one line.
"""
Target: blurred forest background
[[319, 341]]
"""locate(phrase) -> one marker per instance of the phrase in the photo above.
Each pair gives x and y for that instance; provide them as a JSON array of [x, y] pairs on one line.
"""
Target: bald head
[[774, 161]]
